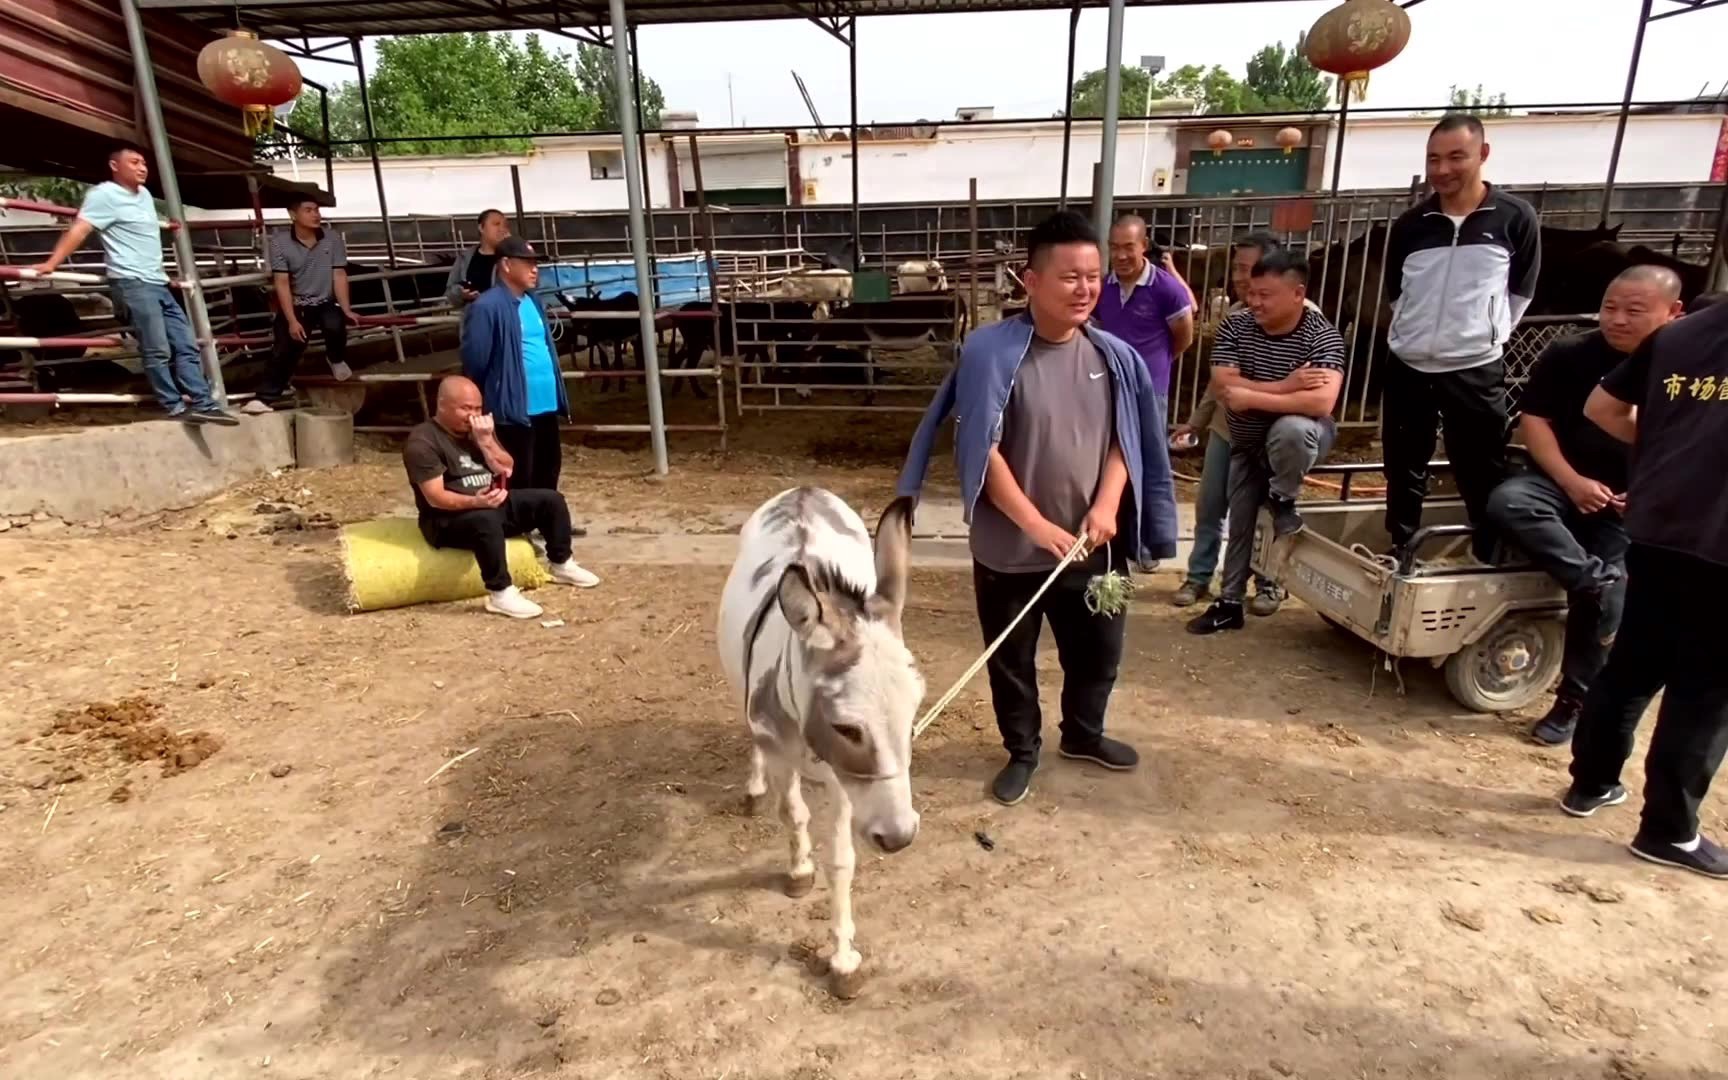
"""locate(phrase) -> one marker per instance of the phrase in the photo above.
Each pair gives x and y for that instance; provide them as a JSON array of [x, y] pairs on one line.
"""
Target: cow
[[619, 333], [810, 639]]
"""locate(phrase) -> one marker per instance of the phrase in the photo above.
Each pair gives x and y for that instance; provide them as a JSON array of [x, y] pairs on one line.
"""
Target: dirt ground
[[1310, 875]]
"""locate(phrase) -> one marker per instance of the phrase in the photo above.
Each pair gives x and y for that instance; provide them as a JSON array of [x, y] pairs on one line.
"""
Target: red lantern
[[241, 70], [1354, 38], [1220, 141], [1289, 138]]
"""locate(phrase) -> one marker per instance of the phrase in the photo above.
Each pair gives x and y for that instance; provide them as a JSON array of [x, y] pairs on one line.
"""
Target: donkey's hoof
[[799, 886], [847, 986], [754, 805]]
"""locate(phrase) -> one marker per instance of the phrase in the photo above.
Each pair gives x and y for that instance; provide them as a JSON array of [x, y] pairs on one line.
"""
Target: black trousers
[[1472, 406], [1089, 646], [1582, 552], [483, 531], [325, 320], [536, 449], [1672, 636]]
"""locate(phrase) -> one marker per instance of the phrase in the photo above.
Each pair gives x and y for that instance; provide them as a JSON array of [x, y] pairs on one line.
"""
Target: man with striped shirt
[[1277, 369]]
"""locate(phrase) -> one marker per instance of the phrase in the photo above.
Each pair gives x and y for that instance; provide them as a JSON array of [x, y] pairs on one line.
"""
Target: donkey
[[810, 639]]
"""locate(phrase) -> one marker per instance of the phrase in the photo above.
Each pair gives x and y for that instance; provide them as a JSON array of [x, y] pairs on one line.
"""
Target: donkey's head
[[864, 684]]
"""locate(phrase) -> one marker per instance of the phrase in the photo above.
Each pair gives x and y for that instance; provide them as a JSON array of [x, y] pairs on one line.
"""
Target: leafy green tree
[[1477, 101], [47, 189], [1278, 80], [462, 84]]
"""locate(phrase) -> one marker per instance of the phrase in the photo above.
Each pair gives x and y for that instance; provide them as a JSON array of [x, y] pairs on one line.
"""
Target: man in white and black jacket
[[1460, 272]]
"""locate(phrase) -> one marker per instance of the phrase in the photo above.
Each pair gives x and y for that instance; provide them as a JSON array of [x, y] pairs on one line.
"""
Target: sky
[[925, 66]]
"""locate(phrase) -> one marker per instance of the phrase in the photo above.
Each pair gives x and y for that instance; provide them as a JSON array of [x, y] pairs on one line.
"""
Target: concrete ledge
[[145, 467]]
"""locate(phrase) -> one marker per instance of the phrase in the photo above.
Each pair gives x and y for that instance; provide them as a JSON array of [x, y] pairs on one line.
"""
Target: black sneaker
[[1014, 782], [1222, 615], [1708, 859], [1285, 520], [1555, 728], [1580, 804], [219, 417], [1106, 752]]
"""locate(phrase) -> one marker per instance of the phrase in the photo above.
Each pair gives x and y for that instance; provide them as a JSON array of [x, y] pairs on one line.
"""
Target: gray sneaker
[[1191, 593], [1267, 600]]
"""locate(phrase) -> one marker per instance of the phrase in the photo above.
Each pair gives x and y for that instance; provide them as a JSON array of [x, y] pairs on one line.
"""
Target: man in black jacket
[[1460, 272], [1666, 401]]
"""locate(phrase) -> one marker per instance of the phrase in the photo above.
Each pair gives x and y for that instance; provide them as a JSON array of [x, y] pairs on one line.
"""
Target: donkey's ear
[[809, 615], [893, 561]]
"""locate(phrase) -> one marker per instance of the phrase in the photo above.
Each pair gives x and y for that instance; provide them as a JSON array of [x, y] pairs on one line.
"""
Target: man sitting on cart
[[1277, 369], [1564, 512]]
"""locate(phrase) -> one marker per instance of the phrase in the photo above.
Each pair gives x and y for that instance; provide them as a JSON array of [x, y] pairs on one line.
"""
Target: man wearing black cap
[[507, 349]]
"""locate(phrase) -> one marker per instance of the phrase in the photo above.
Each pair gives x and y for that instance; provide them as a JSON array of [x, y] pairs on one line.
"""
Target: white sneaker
[[511, 602], [568, 573], [256, 408], [342, 372]]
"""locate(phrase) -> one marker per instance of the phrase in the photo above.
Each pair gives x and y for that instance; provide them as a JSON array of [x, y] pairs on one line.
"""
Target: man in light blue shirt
[[123, 214], [507, 349]]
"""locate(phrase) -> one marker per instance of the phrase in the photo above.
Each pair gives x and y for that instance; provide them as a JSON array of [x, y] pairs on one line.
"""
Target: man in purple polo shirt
[[1146, 305]]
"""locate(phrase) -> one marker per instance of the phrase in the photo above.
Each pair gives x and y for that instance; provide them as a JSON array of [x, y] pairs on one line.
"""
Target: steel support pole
[[372, 148], [145, 78], [1101, 211], [1068, 105], [626, 97], [329, 151], [852, 116], [642, 151], [1625, 108], [1338, 150]]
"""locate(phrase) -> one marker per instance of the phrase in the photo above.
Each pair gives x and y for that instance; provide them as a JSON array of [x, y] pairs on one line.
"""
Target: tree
[[471, 84], [48, 189], [1279, 80], [1477, 102], [1285, 81]]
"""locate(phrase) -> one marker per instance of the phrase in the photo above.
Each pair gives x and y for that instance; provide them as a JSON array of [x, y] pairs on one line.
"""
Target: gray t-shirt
[[1056, 434], [310, 270]]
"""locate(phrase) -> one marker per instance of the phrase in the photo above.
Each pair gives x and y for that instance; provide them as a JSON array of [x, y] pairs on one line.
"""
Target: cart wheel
[[1510, 666]]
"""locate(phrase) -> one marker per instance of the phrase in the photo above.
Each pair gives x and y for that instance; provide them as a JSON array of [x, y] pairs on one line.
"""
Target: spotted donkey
[[810, 638]]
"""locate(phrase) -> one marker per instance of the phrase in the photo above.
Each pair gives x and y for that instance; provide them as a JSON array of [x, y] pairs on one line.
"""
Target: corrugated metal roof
[[336, 18]]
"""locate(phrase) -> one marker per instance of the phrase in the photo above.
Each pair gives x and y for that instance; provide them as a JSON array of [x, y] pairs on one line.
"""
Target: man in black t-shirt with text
[[461, 477], [1666, 400], [1565, 511]]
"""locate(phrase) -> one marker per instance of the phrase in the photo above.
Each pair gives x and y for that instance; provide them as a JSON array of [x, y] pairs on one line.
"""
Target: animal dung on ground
[[388, 564], [1574, 885], [129, 726], [984, 840]]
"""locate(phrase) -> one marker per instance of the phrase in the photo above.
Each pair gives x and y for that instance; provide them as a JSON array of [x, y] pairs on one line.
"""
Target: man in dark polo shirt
[[461, 476], [1666, 400], [1565, 511], [309, 265], [1277, 369]]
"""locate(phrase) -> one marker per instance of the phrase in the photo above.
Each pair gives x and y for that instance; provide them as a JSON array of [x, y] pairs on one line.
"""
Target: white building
[[931, 163]]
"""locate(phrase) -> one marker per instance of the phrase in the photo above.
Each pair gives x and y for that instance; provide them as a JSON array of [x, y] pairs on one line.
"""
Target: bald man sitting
[[461, 476], [1565, 513]]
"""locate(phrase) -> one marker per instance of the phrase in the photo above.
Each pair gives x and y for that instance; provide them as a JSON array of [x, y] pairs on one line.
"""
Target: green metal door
[[1247, 172]]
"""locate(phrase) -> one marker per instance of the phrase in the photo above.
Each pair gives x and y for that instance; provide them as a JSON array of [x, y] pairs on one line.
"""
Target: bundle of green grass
[[388, 564]]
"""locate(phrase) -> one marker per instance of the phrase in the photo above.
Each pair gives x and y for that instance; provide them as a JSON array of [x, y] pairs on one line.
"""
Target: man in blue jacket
[[507, 349], [1058, 434]]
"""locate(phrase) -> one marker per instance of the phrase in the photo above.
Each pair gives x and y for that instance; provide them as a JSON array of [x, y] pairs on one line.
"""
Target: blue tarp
[[676, 280]]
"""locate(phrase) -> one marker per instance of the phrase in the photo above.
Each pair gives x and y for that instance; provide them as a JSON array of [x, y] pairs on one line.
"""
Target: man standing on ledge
[[507, 349], [1460, 271], [1058, 429], [1666, 400], [124, 215]]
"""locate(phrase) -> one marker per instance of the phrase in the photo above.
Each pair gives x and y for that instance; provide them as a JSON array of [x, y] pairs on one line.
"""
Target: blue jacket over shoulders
[[976, 391], [492, 355]]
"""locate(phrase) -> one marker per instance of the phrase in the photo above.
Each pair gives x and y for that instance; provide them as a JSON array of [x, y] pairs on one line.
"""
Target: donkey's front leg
[[756, 788], [795, 815], [844, 968]]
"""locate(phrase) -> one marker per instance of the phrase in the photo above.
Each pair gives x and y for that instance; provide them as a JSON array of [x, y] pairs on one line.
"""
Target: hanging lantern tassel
[[259, 120], [1355, 85]]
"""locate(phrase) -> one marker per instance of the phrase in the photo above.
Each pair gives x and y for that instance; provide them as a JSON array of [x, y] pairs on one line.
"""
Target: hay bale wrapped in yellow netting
[[389, 564]]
